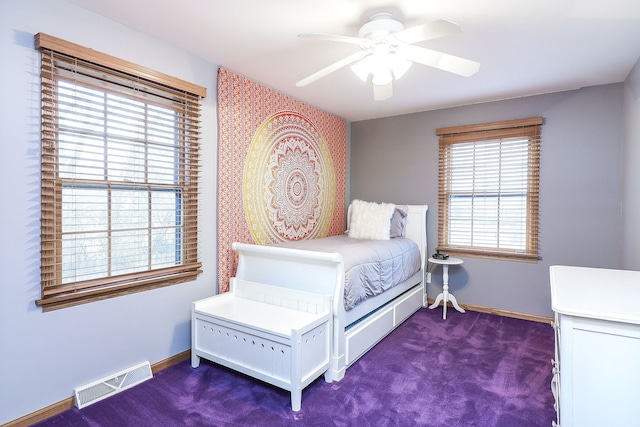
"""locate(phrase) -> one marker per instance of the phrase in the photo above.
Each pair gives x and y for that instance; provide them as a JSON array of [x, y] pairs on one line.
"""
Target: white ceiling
[[525, 47]]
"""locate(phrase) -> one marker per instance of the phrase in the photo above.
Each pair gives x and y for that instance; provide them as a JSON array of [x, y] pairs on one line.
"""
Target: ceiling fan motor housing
[[380, 24]]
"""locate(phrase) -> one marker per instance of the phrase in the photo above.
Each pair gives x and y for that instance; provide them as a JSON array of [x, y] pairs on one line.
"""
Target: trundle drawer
[[360, 339], [408, 304]]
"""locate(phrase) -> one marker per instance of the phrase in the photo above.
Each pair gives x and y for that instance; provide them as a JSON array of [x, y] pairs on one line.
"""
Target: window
[[120, 169], [488, 189]]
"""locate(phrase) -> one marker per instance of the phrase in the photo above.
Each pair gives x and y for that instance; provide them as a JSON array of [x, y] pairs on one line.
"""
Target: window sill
[[479, 253], [96, 294]]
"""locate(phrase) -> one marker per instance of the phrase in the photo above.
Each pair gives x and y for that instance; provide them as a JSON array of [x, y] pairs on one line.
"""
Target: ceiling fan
[[387, 52]]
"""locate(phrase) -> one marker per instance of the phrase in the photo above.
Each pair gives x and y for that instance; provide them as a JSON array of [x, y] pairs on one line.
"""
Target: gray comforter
[[371, 266]]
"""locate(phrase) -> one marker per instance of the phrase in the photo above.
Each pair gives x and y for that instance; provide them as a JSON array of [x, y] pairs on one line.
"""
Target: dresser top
[[596, 293]]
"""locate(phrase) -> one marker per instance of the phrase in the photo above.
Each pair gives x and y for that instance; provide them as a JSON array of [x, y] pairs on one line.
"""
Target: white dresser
[[596, 378]]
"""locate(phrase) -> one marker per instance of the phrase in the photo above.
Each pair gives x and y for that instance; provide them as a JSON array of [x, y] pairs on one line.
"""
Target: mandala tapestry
[[281, 171], [288, 184]]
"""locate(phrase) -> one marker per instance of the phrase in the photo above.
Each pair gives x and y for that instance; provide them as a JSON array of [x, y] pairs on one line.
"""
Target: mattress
[[371, 266]]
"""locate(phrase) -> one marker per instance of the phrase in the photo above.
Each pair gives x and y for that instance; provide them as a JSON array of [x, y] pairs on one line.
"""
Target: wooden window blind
[[489, 189], [119, 176]]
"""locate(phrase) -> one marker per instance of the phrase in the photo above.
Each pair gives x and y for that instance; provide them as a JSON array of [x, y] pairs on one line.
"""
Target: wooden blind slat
[[46, 41], [483, 127]]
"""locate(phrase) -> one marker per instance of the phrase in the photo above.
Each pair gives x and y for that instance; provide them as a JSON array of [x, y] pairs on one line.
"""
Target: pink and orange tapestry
[[281, 171]]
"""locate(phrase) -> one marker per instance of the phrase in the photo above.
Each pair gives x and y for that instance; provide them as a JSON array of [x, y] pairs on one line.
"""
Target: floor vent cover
[[108, 386]]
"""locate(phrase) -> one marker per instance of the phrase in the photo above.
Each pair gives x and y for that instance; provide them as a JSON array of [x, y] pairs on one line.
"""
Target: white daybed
[[283, 271]]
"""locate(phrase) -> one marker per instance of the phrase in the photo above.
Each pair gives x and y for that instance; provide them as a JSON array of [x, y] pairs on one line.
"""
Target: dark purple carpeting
[[472, 369]]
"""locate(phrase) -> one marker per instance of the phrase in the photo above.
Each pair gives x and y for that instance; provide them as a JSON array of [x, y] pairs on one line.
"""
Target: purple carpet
[[473, 369]]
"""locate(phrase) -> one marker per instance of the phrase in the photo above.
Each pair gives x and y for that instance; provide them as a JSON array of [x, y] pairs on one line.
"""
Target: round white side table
[[445, 296]]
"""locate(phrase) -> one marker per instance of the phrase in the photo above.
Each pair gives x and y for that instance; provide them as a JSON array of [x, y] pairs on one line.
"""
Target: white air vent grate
[[108, 386]]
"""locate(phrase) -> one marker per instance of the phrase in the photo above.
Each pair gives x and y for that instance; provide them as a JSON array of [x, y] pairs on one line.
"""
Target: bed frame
[[353, 332]]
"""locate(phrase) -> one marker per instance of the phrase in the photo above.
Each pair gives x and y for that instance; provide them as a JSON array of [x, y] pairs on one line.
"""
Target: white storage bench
[[277, 335]]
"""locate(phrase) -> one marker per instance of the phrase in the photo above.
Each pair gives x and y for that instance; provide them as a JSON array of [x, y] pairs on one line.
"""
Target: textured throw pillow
[[398, 222], [370, 220]]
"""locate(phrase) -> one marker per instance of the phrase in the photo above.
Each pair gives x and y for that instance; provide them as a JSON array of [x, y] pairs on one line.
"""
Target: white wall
[[631, 171], [43, 356], [580, 187]]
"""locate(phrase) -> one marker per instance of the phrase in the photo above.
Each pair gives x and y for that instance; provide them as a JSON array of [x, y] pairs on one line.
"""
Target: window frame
[[477, 134], [184, 100]]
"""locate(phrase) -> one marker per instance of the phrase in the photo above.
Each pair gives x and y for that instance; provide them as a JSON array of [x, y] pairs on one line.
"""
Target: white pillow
[[370, 220]]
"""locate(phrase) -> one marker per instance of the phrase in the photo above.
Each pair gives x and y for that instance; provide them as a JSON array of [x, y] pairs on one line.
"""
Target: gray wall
[[395, 159], [631, 171], [43, 356]]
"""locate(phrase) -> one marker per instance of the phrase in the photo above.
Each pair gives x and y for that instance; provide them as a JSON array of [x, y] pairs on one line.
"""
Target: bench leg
[[296, 400], [195, 360]]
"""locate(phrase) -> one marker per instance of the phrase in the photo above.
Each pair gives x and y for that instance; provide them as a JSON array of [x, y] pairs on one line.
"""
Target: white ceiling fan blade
[[331, 68], [429, 31], [453, 64], [382, 92], [333, 38]]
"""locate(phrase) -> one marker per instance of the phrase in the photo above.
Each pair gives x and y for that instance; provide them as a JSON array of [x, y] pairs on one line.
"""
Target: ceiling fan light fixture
[[384, 68], [382, 77], [380, 63], [399, 67], [362, 69]]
